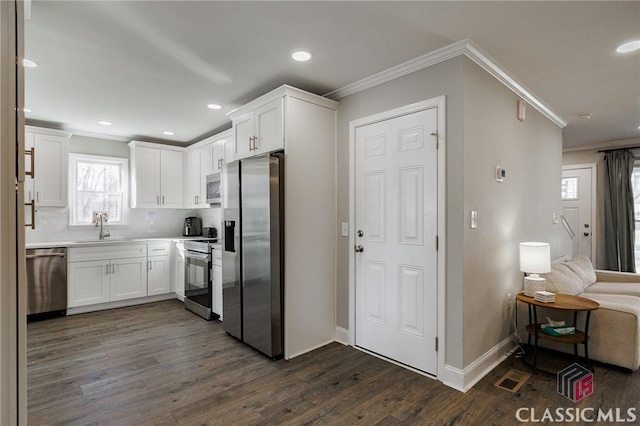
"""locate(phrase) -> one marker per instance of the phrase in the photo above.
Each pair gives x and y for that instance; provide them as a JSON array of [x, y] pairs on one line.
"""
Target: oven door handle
[[200, 256]]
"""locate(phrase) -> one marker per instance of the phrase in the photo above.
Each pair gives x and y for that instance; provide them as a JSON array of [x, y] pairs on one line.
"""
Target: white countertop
[[111, 241]]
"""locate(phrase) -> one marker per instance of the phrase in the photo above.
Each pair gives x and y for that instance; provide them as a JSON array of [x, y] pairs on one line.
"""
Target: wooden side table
[[565, 302]]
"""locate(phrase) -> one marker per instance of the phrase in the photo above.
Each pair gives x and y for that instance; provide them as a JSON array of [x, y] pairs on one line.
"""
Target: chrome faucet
[[103, 233]]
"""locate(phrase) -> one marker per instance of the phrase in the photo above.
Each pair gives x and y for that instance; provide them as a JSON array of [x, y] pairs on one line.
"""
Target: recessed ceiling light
[[629, 47], [26, 109], [301, 56], [105, 123], [214, 106], [29, 63], [168, 133]]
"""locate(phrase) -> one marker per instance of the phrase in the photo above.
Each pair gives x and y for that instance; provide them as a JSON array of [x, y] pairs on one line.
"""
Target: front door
[[396, 170], [577, 209]]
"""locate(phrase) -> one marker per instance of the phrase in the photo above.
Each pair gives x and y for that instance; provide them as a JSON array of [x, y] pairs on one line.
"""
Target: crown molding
[[464, 47]]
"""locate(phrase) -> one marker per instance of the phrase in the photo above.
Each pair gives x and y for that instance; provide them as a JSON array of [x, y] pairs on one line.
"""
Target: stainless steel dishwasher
[[47, 281]]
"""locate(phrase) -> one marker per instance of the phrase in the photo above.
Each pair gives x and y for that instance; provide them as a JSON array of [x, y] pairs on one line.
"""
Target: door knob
[[359, 249], [586, 225], [586, 234], [360, 233]]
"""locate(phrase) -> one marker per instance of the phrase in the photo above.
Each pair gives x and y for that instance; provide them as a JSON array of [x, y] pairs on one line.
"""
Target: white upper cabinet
[[156, 175], [198, 167], [258, 130], [48, 187], [203, 158], [171, 178]]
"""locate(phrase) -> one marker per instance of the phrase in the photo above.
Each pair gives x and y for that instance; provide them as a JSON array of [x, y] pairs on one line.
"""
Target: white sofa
[[614, 329]]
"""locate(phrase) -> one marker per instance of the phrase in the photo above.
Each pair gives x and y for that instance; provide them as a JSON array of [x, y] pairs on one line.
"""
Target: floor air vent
[[512, 381]]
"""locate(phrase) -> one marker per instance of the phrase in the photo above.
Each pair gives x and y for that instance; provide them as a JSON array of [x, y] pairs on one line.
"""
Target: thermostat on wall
[[500, 174]]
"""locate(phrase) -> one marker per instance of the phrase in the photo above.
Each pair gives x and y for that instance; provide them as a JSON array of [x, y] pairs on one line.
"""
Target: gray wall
[[482, 132], [519, 209]]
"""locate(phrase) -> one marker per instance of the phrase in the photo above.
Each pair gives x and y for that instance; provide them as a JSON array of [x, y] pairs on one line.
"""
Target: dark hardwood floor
[[159, 364]]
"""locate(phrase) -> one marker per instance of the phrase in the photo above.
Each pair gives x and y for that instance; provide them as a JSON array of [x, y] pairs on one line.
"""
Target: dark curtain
[[619, 212]]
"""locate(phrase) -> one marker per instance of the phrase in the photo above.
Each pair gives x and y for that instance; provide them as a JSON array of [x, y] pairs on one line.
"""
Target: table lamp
[[535, 258]]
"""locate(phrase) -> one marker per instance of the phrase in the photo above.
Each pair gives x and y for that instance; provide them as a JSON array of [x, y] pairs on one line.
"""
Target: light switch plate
[[474, 219], [345, 229]]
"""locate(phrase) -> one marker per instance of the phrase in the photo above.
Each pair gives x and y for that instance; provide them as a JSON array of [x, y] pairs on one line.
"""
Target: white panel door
[[577, 208], [396, 226]]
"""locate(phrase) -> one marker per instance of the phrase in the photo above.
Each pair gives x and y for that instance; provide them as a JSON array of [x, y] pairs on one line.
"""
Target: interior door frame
[[594, 195], [439, 103]]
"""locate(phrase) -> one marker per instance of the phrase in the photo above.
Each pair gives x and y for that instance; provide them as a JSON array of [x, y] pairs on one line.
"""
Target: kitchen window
[[97, 184]]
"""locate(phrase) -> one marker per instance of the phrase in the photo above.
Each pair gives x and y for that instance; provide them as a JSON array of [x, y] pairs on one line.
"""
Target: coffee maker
[[192, 227]]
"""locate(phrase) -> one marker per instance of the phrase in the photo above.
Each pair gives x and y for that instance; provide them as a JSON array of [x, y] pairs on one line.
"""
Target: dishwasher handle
[[35, 256]]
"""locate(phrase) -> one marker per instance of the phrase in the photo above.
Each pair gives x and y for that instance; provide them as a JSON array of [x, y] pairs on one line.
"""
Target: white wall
[[52, 223]]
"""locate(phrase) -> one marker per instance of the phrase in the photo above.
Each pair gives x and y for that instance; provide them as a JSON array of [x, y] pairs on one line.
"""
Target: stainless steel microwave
[[214, 189]]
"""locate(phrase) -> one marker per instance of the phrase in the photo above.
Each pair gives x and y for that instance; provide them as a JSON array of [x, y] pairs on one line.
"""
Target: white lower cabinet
[[128, 278], [88, 283], [159, 269], [217, 282], [177, 271], [106, 274]]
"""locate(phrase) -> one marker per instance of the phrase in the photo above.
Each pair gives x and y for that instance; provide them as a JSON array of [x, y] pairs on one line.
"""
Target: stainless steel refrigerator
[[253, 255]]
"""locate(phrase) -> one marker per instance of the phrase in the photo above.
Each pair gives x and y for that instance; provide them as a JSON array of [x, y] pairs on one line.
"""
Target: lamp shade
[[535, 258]]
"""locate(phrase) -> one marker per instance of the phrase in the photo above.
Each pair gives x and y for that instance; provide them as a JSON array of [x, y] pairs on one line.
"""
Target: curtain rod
[[617, 149]]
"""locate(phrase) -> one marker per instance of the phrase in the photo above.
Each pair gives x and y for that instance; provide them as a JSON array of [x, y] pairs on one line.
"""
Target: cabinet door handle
[[33, 214], [157, 199], [250, 143], [163, 200], [32, 154], [255, 142], [38, 196], [113, 268], [150, 266], [107, 269]]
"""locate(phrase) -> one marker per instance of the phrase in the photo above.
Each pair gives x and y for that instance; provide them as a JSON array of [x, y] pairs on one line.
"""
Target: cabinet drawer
[[158, 249], [106, 252]]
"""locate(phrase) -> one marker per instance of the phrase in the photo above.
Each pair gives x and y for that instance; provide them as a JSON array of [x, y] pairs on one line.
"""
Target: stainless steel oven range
[[198, 280]]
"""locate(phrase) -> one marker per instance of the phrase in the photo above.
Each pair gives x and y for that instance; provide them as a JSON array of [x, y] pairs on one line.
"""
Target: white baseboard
[[464, 379], [288, 356], [120, 304], [342, 335]]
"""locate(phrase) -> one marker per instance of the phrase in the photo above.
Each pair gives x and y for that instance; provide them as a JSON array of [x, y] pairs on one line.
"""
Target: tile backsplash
[[52, 224]]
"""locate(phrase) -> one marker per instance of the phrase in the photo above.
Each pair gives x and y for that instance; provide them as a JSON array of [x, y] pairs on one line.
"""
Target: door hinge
[[436, 343], [435, 134], [437, 242]]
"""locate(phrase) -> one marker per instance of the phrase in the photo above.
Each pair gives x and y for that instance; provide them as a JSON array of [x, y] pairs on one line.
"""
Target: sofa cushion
[[614, 288], [583, 268], [561, 279]]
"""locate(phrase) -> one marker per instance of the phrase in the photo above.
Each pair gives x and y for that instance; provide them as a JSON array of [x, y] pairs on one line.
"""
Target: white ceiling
[[154, 66]]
